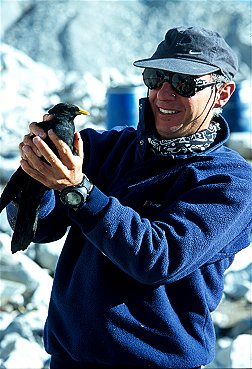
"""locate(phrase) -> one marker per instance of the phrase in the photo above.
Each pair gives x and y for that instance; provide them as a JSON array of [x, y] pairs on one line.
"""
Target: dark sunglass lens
[[184, 85], [153, 78]]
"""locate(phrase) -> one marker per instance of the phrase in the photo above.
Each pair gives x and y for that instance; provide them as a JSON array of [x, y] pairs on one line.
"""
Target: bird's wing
[[13, 187], [27, 217]]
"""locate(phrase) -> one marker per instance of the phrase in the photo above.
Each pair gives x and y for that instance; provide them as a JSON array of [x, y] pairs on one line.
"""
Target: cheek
[[190, 105], [197, 102], [152, 98]]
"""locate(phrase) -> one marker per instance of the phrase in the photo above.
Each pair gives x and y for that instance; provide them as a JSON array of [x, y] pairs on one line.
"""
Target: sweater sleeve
[[210, 221]]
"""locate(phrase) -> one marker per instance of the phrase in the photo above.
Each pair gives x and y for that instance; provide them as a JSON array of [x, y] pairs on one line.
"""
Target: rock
[[4, 225], [238, 278], [32, 84], [241, 352], [91, 35], [20, 268], [42, 294], [248, 295], [47, 254], [20, 326], [232, 318], [230, 313], [242, 260], [5, 319], [18, 353], [8, 166], [11, 291], [29, 324], [223, 351], [241, 142], [243, 326], [235, 285]]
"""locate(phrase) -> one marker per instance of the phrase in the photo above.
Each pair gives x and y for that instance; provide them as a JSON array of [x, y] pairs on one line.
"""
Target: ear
[[223, 94]]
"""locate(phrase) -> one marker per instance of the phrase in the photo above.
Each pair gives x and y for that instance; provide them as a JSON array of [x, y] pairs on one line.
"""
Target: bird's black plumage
[[27, 191]]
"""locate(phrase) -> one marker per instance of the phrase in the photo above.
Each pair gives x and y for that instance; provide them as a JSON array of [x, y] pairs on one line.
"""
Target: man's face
[[177, 116]]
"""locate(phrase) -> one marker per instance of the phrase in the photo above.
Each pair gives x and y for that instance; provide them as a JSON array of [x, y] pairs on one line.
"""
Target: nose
[[166, 92]]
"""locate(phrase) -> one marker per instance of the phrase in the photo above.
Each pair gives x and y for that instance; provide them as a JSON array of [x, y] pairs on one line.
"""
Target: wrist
[[63, 186]]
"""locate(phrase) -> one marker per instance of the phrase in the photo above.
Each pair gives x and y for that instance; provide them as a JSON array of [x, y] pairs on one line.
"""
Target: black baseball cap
[[193, 50]]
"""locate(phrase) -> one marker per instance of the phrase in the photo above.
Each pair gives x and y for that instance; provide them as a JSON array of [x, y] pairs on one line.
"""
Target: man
[[157, 215]]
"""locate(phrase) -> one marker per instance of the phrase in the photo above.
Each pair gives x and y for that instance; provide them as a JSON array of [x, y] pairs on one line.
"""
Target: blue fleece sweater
[[143, 264]]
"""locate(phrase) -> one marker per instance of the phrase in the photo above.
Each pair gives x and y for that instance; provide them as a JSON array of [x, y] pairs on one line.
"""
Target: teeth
[[164, 111]]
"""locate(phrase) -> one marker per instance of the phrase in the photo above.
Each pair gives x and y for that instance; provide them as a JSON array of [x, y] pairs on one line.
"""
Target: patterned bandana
[[196, 142]]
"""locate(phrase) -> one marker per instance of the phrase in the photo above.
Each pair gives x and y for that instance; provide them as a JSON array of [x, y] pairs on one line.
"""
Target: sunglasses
[[184, 85]]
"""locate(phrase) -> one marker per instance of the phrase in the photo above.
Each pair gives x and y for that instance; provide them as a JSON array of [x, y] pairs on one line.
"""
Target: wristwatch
[[76, 196]]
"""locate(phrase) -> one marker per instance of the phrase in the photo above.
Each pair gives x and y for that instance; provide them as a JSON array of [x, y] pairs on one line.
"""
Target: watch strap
[[85, 183]]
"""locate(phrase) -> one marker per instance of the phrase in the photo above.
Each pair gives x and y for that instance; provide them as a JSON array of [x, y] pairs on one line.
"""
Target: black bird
[[28, 192]]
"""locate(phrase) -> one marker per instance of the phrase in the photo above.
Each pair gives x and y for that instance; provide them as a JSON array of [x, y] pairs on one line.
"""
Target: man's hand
[[34, 130], [55, 173]]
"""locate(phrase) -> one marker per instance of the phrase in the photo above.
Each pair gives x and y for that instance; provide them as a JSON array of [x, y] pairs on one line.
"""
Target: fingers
[[33, 165], [29, 169], [64, 151], [31, 159], [40, 170], [35, 130], [78, 144], [27, 141], [66, 157], [54, 174], [38, 131], [41, 173], [46, 152], [47, 116], [63, 148]]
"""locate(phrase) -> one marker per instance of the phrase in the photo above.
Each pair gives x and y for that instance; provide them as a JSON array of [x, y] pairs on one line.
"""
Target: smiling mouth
[[167, 112]]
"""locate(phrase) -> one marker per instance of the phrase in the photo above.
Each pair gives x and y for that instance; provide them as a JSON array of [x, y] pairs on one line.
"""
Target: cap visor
[[183, 66]]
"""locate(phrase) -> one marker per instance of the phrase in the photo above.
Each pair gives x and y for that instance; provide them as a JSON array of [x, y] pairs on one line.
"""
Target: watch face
[[73, 198]]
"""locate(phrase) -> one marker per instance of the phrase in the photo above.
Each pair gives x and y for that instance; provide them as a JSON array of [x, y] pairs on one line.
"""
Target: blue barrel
[[123, 105], [237, 111]]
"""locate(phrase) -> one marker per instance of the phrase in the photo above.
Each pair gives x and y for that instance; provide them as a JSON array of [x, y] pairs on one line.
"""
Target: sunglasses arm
[[200, 84]]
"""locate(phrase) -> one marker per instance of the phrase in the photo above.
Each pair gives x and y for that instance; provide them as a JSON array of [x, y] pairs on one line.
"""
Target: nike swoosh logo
[[191, 52]]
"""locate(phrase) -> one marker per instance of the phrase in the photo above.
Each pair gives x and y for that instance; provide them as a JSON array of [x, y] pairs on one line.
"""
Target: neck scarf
[[197, 142]]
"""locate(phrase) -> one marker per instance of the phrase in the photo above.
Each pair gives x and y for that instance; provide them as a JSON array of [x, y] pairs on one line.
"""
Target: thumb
[[78, 144]]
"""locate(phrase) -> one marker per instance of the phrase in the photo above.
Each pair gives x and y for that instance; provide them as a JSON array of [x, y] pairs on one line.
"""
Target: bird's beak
[[82, 111]]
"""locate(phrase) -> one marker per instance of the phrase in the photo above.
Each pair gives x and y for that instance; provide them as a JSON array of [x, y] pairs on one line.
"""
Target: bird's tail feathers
[[27, 216], [26, 225]]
